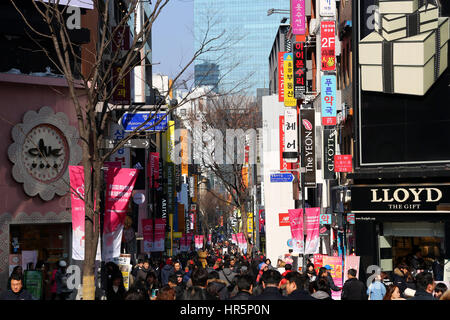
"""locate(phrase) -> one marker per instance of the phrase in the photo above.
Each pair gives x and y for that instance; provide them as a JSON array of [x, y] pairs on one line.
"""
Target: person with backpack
[[61, 276]]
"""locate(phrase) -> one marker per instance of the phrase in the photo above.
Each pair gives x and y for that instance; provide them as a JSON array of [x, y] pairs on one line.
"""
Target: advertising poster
[[296, 223], [328, 39], [312, 230], [119, 187], [336, 274], [343, 163], [318, 262], [351, 262]]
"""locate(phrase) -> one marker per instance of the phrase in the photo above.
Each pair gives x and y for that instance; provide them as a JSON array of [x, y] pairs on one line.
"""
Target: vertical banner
[[308, 146], [250, 223], [122, 94], [209, 238], [299, 52], [184, 152], [189, 237], [123, 154], [198, 240], [327, 8], [119, 188], [288, 61], [312, 230], [328, 39], [290, 153], [234, 238], [76, 175], [147, 233], [336, 273], [242, 243], [351, 262], [329, 150], [281, 76], [284, 166], [296, 223], [318, 262], [298, 17], [328, 99], [160, 235], [153, 170]]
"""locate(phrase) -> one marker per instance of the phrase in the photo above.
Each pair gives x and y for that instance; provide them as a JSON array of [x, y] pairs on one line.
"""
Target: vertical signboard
[[299, 53], [308, 146], [184, 152], [298, 17], [284, 166], [290, 153], [329, 151], [327, 8], [328, 100], [122, 93], [281, 76], [289, 100], [123, 154], [327, 34]]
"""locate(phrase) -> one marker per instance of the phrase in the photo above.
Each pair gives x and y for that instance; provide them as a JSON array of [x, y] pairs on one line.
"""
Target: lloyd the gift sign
[[327, 34], [328, 100], [308, 146], [290, 135], [411, 198]]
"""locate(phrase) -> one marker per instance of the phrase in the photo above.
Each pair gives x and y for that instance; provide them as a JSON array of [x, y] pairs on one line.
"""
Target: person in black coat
[[245, 286], [425, 287], [323, 273], [16, 291], [296, 285], [353, 289], [177, 285], [116, 291], [271, 286]]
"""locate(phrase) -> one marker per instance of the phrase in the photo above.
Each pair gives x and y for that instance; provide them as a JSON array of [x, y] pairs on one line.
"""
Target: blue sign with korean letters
[[328, 100], [281, 177], [132, 121]]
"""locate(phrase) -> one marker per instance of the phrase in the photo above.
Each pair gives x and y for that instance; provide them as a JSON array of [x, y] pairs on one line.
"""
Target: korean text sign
[[327, 34], [328, 100], [299, 52], [298, 17], [288, 63]]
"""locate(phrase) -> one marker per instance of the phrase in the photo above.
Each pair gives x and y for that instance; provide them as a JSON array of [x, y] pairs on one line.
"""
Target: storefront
[[394, 220]]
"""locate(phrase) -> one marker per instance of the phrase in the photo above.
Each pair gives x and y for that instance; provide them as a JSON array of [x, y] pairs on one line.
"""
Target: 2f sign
[[328, 42], [74, 19]]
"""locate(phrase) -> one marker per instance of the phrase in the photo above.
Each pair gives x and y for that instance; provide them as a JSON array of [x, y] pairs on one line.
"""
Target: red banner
[[318, 262], [160, 235], [283, 219], [119, 187], [147, 232], [327, 34], [343, 163], [153, 170], [281, 76], [296, 223]]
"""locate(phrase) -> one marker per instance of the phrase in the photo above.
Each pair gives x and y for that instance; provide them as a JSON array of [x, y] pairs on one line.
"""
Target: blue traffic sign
[[132, 121], [281, 177]]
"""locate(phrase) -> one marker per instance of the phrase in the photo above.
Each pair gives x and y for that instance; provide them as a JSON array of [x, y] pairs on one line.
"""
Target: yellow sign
[[250, 222], [288, 65], [171, 141], [184, 152], [177, 235]]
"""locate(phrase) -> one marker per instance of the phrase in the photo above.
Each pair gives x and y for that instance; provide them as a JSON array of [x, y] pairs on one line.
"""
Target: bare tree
[[92, 87]]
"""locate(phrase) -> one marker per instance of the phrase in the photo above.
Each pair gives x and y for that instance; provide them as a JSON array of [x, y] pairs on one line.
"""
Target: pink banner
[[76, 176], [312, 230], [119, 187], [298, 17], [153, 170], [242, 244], [296, 223], [160, 235], [209, 238], [147, 233], [198, 242], [336, 273], [351, 262]]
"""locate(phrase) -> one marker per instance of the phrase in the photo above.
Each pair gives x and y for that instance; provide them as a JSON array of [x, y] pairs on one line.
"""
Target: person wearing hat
[[324, 272], [167, 271], [62, 291]]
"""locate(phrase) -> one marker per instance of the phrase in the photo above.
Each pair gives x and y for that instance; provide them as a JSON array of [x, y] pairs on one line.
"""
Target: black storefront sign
[[308, 142], [329, 150], [399, 198], [299, 53]]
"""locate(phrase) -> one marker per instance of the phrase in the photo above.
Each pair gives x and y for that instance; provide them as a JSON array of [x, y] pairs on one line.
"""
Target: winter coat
[[354, 289], [376, 291], [322, 295], [166, 272], [300, 295], [242, 295], [228, 276], [21, 295], [422, 295], [220, 287], [119, 295], [399, 279], [269, 293], [142, 273]]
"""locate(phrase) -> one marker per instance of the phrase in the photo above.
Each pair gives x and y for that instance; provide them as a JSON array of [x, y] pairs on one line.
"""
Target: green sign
[[33, 283]]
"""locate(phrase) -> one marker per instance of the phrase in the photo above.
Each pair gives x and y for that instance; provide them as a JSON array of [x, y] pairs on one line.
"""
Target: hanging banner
[[210, 238], [153, 170], [160, 235], [281, 76], [288, 61], [249, 223], [327, 8], [119, 187], [318, 262], [284, 165], [184, 152], [296, 223], [234, 239], [298, 17], [290, 153], [242, 243], [76, 175], [147, 233], [299, 52], [308, 146], [327, 34], [123, 154], [328, 100], [329, 151], [336, 273], [351, 262], [198, 240], [312, 230]]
